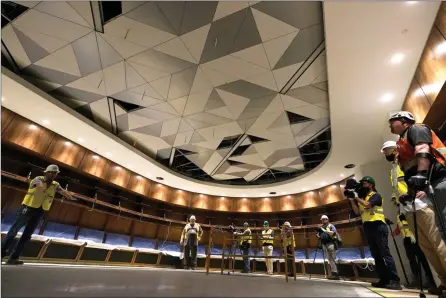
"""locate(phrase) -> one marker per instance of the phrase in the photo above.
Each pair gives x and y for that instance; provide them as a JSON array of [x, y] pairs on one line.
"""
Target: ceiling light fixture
[[45, 122], [80, 140], [440, 49], [397, 58], [32, 127], [117, 167], [243, 195], [160, 178], [342, 175], [95, 157], [334, 186], [304, 189], [108, 154], [138, 177], [288, 197], [67, 144], [411, 2], [273, 193], [387, 97], [323, 183], [350, 166]]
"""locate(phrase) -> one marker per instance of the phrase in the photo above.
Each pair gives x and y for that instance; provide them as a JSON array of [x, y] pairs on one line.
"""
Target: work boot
[[14, 262], [437, 291], [334, 276], [379, 284], [393, 285]]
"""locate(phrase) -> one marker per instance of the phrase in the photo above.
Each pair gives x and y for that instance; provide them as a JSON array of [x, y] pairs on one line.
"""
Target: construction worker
[[190, 237], [422, 155], [329, 240], [244, 242], [267, 244], [287, 237], [38, 199], [429, 236], [365, 201], [413, 251]]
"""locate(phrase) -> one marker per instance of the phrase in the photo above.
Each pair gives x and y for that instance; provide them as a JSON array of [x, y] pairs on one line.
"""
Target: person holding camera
[[244, 242], [267, 244], [367, 203], [192, 233], [288, 241], [329, 239]]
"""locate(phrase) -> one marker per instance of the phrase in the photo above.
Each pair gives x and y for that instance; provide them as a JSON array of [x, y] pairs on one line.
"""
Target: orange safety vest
[[406, 152]]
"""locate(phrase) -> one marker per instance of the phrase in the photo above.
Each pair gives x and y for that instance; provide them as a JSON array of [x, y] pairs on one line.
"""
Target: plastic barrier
[[143, 243], [92, 235], [117, 239], [58, 230]]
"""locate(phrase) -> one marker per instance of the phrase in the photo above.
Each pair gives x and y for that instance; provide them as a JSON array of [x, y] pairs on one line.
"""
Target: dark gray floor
[[55, 281]]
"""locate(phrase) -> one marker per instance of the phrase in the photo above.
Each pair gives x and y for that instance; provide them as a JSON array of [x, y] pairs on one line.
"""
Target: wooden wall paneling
[[26, 134], [435, 118], [351, 236], [300, 240], [65, 151], [118, 225], [287, 203], [308, 200], [139, 184], [119, 175], [93, 220], [416, 102], [180, 197], [159, 192], [201, 201], [330, 194], [144, 229], [265, 204], [223, 204], [95, 165], [431, 70], [440, 21], [166, 233], [63, 213], [11, 199], [7, 117], [243, 205]]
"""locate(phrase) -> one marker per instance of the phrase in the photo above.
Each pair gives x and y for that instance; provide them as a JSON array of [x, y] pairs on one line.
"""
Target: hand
[[181, 242], [418, 182], [412, 239], [421, 195], [405, 198]]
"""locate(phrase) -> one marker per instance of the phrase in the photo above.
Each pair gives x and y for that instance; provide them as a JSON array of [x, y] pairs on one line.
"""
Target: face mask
[[390, 157], [362, 192]]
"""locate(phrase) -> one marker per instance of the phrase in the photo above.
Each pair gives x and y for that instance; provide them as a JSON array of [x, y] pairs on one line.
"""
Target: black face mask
[[390, 157], [362, 192]]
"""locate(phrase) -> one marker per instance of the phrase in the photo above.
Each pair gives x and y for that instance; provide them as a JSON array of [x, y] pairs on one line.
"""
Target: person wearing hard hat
[[367, 203], [190, 237], [38, 199], [287, 237], [399, 186], [267, 244], [245, 240], [413, 250], [329, 239], [422, 157]]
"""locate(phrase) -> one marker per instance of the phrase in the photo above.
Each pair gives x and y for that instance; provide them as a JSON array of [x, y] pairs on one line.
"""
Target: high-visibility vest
[[36, 197], [406, 152], [247, 238], [266, 234], [404, 227], [289, 240], [372, 214], [399, 186], [328, 229], [188, 227]]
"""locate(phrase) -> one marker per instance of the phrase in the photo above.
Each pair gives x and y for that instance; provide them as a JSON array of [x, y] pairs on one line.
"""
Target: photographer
[[365, 201], [287, 237], [244, 244], [329, 240]]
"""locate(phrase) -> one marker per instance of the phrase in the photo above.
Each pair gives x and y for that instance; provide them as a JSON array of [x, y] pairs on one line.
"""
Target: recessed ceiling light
[[160, 178], [349, 166], [387, 97], [95, 157], [323, 183], [129, 166], [222, 198], [158, 185], [440, 49], [223, 195], [80, 140], [179, 190], [288, 197], [342, 175], [117, 167], [397, 58], [311, 192], [273, 193], [138, 177], [3, 99], [304, 189], [334, 186], [45, 122], [411, 2], [32, 126], [108, 154], [67, 144]]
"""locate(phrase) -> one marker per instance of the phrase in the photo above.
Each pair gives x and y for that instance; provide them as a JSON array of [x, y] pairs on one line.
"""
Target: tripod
[[319, 244], [389, 222]]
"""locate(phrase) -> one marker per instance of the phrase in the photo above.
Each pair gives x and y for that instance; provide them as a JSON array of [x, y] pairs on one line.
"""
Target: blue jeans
[[246, 261]]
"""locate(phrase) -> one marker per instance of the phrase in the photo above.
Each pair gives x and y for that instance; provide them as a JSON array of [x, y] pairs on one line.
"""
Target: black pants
[[377, 234], [190, 256], [289, 252], [414, 252], [28, 217]]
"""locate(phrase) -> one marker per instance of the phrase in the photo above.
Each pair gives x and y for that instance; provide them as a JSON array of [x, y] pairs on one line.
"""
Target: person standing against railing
[[38, 199], [268, 241], [190, 237], [329, 240], [287, 237], [244, 242]]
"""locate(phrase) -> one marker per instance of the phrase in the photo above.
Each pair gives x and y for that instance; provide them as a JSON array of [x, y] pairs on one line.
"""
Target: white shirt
[[419, 204]]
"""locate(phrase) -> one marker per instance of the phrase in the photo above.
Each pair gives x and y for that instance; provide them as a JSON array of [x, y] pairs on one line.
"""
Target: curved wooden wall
[[26, 134]]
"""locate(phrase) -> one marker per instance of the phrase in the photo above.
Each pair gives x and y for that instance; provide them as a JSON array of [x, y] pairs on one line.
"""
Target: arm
[[63, 192], [37, 182], [363, 203], [354, 206], [423, 162], [200, 233], [420, 137], [182, 235], [331, 231]]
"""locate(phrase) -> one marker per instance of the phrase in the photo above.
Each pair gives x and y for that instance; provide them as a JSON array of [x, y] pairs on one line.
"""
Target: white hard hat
[[324, 217], [402, 114], [52, 168], [388, 144], [192, 217], [287, 224]]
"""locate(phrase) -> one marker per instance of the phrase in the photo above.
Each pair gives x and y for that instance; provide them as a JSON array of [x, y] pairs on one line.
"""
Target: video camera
[[352, 186]]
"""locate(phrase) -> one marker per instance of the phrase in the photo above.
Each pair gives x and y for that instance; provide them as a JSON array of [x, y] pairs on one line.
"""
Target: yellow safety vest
[[404, 227], [327, 229], [289, 240], [399, 186], [247, 238], [36, 197], [267, 234], [375, 213], [188, 227]]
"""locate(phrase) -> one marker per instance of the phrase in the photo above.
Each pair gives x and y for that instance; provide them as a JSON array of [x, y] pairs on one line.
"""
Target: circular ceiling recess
[[218, 114], [350, 166], [160, 178]]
